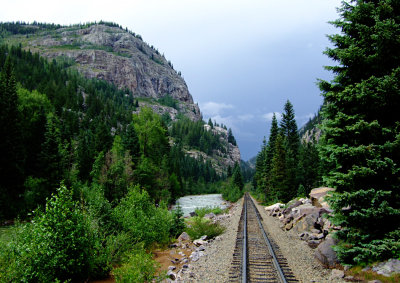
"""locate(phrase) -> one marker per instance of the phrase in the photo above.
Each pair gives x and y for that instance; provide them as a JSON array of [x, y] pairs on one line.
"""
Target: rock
[[192, 214], [325, 254], [171, 267], [171, 274], [203, 238], [386, 268], [318, 193], [288, 226], [199, 242], [201, 248], [313, 243], [209, 215], [375, 281], [183, 237], [274, 206], [336, 274], [184, 260], [306, 223], [290, 207]]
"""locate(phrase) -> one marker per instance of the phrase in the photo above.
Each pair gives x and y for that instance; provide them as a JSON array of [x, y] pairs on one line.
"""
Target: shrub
[[141, 219], [59, 244], [139, 266], [202, 211], [199, 226]]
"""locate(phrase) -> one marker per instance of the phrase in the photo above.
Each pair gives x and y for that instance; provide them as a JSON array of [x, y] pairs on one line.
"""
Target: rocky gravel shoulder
[[214, 266], [299, 255]]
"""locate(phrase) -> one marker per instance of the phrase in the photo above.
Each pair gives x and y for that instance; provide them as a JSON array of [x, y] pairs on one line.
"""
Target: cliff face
[[117, 56]]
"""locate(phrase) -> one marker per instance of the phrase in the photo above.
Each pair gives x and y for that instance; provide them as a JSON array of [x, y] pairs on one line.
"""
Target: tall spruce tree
[[291, 144], [11, 147], [361, 142]]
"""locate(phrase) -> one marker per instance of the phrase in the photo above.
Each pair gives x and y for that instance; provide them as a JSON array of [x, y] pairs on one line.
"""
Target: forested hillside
[[358, 152]]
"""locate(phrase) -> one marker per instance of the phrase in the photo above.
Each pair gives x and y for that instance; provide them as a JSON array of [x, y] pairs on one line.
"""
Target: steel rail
[[244, 259], [270, 248]]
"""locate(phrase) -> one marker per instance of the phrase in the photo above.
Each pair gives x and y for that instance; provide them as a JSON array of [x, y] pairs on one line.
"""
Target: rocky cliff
[[115, 55]]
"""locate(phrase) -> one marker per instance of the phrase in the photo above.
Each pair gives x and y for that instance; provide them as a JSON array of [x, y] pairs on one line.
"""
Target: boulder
[[183, 237], [325, 254], [171, 274], [209, 215], [313, 243], [274, 206], [386, 268], [306, 223], [317, 195], [199, 242], [288, 210]]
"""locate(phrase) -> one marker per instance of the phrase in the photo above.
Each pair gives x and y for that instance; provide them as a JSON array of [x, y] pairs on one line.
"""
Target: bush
[[141, 219], [202, 211], [231, 192], [59, 244], [199, 226], [139, 266]]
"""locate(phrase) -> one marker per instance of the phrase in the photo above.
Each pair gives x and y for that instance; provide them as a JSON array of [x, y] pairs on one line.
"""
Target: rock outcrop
[[308, 218], [117, 56]]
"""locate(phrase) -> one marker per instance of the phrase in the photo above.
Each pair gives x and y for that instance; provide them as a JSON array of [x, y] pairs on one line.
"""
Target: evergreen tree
[[231, 138], [361, 142], [11, 147], [270, 149], [131, 142], [237, 177], [289, 129], [210, 123], [278, 184], [291, 143]]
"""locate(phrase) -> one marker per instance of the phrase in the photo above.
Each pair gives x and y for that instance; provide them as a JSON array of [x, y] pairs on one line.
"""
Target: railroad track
[[257, 258]]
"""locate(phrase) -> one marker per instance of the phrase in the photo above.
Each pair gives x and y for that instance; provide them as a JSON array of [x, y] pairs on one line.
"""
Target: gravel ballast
[[215, 265]]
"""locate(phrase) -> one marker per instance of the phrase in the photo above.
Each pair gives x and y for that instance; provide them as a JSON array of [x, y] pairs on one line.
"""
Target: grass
[[369, 275], [198, 226], [201, 211]]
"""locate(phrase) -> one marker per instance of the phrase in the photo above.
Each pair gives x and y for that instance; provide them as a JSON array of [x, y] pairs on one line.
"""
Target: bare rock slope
[[117, 56]]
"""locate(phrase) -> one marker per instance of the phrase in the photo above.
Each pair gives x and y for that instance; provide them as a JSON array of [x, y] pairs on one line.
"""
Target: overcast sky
[[241, 59]]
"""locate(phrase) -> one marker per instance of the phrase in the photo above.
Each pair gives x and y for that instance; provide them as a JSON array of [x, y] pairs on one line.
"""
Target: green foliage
[[368, 219], [59, 244], [231, 192], [198, 226], [169, 101], [278, 173], [139, 266], [141, 219], [201, 211], [360, 146], [178, 223]]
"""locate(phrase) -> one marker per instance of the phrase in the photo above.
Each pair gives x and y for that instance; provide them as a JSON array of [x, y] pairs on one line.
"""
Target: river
[[190, 203]]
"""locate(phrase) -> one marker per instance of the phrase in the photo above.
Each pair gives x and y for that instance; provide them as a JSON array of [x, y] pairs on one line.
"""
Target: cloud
[[212, 108], [268, 116], [246, 117]]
